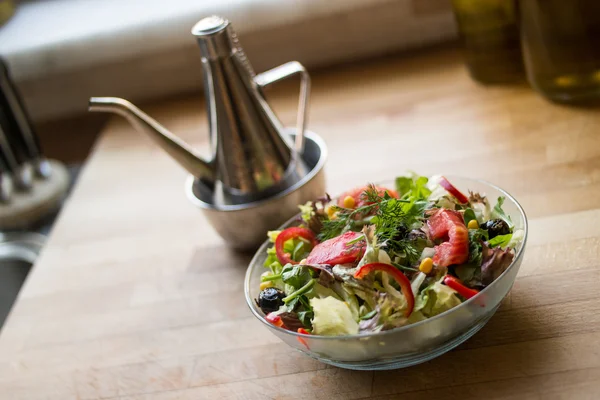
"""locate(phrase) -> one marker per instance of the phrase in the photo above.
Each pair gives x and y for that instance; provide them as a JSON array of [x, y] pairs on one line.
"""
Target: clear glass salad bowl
[[412, 344]]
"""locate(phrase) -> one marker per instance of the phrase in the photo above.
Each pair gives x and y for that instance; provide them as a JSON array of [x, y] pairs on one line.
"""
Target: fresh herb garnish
[[393, 219]]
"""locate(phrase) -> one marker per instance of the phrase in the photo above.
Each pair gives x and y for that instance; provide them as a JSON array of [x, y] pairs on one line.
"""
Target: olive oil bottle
[[489, 34], [7, 9], [561, 47]]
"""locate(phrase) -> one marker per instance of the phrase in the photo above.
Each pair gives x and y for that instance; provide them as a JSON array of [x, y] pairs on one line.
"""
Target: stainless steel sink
[[18, 252]]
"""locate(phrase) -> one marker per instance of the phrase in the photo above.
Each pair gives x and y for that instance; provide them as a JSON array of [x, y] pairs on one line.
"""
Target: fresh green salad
[[379, 258]]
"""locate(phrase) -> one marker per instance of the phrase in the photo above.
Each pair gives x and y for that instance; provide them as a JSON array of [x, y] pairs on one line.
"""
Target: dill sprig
[[346, 219], [392, 218]]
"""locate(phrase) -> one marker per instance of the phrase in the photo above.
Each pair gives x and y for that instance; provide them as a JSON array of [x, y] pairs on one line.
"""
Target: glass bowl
[[412, 344]]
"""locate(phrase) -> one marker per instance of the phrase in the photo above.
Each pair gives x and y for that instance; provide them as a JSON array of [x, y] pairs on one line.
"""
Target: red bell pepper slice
[[301, 340], [394, 273], [274, 319], [445, 183], [454, 283], [292, 233], [337, 251]]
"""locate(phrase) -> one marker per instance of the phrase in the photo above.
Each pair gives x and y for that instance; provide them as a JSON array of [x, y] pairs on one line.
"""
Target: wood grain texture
[[136, 297]]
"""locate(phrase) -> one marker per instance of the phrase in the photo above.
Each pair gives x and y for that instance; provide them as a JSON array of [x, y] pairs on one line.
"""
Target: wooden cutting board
[[135, 296]]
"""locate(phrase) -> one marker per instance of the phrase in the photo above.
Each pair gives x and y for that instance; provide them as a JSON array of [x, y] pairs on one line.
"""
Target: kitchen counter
[[136, 297]]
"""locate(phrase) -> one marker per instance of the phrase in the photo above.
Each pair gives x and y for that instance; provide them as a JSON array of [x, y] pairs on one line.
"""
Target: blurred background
[[61, 51]]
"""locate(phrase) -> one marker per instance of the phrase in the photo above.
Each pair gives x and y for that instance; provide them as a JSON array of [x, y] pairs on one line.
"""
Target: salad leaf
[[469, 216], [273, 235], [495, 262], [404, 185], [391, 311], [349, 298], [369, 315], [517, 238], [435, 299], [295, 275], [476, 239], [498, 212], [480, 206], [305, 317], [332, 317], [307, 211], [469, 274], [370, 322], [500, 241], [272, 262], [414, 187], [291, 320]]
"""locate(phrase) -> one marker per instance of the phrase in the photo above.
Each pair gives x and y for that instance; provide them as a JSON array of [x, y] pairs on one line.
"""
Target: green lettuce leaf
[[435, 299], [500, 240], [332, 317], [412, 187]]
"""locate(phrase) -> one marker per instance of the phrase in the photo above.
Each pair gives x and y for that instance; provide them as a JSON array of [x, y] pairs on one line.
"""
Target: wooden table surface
[[136, 297]]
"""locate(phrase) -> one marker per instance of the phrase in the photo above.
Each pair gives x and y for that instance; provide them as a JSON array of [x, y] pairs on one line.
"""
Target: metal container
[[244, 226]]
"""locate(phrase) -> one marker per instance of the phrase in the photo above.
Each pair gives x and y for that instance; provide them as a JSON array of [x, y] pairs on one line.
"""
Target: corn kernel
[[330, 211], [426, 265], [473, 224], [303, 261], [264, 285], [349, 202]]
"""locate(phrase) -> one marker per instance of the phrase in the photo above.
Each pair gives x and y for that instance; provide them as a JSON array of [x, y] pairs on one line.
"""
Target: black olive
[[270, 299], [496, 227]]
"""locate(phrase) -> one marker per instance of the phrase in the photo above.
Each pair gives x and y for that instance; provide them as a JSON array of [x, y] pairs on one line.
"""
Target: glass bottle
[[7, 9], [561, 47], [489, 34]]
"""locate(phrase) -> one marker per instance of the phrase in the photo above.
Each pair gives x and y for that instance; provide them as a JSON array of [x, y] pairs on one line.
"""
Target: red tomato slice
[[449, 224], [356, 194], [445, 183], [337, 251]]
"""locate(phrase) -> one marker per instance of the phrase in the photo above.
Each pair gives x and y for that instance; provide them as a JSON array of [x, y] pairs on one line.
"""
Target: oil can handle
[[285, 71]]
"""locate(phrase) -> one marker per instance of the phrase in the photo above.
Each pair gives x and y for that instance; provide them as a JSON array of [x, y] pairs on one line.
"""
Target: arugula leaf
[[295, 275], [498, 212], [469, 216], [500, 240]]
